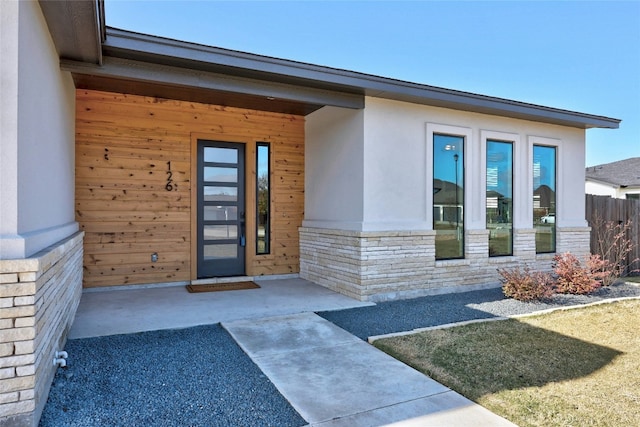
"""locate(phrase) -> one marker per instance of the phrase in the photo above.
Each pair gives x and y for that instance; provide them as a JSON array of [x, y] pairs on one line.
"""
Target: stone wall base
[[38, 301], [387, 265]]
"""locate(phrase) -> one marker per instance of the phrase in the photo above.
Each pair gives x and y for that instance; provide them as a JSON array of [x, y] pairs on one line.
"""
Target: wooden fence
[[618, 211]]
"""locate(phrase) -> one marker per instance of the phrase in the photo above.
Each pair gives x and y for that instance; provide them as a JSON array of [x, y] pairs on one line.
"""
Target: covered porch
[[118, 310]]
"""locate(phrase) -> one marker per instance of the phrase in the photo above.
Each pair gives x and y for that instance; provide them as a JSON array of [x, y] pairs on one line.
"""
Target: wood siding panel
[[123, 144], [601, 210]]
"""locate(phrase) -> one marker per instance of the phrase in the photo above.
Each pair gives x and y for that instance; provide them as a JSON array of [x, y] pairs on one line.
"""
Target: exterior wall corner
[[39, 297]]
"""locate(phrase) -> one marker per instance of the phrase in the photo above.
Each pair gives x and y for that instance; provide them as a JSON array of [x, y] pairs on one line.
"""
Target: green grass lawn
[[578, 367]]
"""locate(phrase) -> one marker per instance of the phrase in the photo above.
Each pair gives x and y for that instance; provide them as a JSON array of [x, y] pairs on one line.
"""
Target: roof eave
[[169, 52]]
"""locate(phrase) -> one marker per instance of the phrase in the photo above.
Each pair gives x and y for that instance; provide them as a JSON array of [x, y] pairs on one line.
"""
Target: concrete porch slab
[[123, 311]]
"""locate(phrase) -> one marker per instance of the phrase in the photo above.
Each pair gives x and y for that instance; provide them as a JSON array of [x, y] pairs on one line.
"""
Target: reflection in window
[[263, 199], [544, 198], [500, 197], [220, 155], [448, 195]]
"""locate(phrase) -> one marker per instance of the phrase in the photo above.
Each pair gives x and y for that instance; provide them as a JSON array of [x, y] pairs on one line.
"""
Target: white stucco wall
[[334, 167], [603, 189], [396, 164], [397, 167], [37, 128]]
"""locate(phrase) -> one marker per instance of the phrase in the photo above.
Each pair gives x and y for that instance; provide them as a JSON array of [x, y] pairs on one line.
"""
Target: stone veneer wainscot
[[387, 265], [39, 297]]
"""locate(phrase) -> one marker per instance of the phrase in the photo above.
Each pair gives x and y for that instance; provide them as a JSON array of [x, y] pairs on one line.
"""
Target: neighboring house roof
[[623, 173], [154, 66]]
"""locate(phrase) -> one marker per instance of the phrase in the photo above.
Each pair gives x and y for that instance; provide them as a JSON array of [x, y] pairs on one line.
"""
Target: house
[[620, 180], [131, 159]]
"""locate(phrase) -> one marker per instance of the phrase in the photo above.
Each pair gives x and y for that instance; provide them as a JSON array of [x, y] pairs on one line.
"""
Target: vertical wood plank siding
[[616, 211], [123, 144]]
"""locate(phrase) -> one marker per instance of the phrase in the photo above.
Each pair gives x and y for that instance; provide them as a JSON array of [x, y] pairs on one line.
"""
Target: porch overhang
[[189, 84]]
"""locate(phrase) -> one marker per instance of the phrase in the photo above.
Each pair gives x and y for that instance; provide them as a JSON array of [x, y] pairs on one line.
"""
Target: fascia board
[[157, 49]]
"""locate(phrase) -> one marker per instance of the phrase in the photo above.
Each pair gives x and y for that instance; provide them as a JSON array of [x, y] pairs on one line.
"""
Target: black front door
[[221, 210]]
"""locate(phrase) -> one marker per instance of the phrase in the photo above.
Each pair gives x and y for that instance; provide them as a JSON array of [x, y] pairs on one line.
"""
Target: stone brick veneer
[[386, 265], [576, 240], [38, 300]]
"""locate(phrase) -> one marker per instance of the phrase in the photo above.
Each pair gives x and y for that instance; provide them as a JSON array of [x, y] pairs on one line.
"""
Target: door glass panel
[[220, 155], [220, 232], [220, 194], [220, 251], [220, 213], [221, 174]]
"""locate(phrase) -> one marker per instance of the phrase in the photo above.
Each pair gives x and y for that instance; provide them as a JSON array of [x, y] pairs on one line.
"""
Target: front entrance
[[221, 209]]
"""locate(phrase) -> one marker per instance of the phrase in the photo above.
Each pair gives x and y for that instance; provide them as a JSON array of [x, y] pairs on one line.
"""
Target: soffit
[[76, 28]]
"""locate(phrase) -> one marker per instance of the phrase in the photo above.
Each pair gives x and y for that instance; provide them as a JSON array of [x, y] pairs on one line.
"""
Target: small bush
[[573, 278], [524, 285]]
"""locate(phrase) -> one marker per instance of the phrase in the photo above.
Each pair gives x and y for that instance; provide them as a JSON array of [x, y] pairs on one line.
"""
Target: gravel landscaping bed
[[406, 315], [200, 377], [185, 377]]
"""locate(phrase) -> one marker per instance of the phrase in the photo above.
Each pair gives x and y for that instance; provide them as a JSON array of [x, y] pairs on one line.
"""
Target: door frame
[[222, 267], [249, 194]]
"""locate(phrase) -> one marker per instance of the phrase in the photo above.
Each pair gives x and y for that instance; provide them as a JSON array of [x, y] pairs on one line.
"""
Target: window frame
[[500, 139], [545, 143], [267, 225], [453, 131]]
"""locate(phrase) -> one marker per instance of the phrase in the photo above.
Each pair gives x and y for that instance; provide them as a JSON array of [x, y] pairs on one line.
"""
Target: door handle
[[242, 233]]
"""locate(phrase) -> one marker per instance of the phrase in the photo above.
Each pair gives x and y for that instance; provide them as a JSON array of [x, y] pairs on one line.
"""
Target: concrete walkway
[[329, 376], [334, 379]]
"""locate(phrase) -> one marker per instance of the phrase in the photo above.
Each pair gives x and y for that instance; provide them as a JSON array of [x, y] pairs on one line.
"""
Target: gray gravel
[[188, 377], [406, 315], [200, 377]]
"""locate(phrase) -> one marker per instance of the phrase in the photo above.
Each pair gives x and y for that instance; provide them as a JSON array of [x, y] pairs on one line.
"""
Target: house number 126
[[170, 184]]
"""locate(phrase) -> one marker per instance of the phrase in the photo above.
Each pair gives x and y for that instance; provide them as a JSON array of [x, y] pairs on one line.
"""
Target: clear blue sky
[[576, 55]]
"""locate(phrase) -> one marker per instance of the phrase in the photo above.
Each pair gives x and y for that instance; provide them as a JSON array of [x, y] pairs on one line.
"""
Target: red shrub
[[525, 285], [573, 278]]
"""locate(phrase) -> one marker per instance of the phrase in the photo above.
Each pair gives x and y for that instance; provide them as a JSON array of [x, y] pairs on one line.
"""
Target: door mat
[[216, 287]]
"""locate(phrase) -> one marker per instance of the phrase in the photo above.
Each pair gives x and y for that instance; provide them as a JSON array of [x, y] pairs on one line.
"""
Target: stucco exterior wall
[[398, 165], [334, 168], [37, 162], [390, 252], [40, 249]]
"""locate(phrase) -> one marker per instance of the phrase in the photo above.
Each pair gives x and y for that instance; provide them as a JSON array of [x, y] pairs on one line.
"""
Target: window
[[500, 197], [544, 198], [448, 195], [263, 200], [633, 196]]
